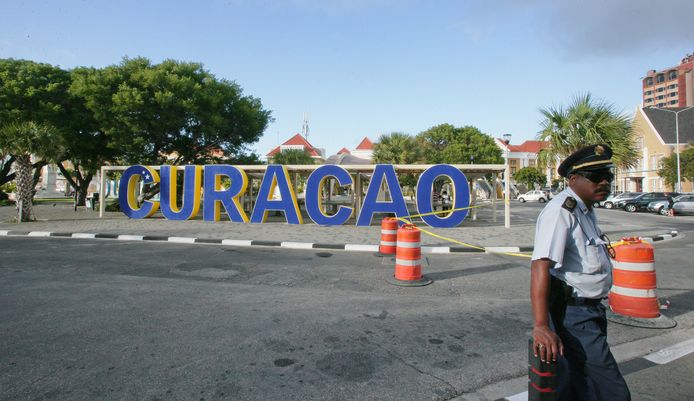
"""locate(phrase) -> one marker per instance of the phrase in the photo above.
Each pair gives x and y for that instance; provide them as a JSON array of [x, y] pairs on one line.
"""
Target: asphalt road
[[119, 320]]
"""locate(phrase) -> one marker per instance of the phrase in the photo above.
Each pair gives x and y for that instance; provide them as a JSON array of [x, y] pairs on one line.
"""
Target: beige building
[[656, 138]]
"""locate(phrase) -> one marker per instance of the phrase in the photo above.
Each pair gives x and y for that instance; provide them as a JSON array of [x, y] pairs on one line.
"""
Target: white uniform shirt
[[571, 239]]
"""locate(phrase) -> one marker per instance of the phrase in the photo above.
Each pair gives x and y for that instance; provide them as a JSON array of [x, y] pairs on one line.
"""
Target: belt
[[580, 301]]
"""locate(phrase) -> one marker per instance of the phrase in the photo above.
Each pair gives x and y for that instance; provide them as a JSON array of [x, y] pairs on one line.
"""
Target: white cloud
[[591, 27]]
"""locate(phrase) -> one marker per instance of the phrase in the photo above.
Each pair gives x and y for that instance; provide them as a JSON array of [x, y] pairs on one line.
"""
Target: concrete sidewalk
[[62, 220]]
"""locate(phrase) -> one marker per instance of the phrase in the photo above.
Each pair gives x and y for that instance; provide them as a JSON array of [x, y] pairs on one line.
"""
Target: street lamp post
[[507, 183], [677, 146]]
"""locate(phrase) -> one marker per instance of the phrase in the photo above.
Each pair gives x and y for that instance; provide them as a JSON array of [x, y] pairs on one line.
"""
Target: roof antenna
[[304, 126]]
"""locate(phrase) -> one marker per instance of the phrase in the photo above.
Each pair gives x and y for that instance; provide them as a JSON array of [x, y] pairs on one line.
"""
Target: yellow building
[[656, 137]]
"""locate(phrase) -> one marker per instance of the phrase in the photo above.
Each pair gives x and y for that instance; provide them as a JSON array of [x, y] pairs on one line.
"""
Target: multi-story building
[[671, 87], [656, 136]]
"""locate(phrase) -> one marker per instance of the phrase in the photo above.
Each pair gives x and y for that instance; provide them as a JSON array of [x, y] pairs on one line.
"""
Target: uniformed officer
[[571, 273]]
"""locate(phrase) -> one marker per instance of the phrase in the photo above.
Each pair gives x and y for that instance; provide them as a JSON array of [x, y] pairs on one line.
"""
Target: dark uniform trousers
[[588, 371]]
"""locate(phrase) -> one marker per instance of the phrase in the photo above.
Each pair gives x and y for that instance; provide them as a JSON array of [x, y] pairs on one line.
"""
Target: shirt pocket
[[593, 262]]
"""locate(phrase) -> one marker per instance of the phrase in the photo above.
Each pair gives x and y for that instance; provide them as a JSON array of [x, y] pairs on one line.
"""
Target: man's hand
[[547, 344]]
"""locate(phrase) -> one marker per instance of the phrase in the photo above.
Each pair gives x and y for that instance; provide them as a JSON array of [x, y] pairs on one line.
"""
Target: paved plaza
[[483, 232]]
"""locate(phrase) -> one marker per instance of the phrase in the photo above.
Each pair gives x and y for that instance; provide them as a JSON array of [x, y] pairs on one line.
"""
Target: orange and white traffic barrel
[[634, 280], [633, 284], [389, 234], [408, 258]]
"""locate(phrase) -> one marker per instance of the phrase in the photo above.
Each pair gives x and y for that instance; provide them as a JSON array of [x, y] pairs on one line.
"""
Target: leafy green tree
[[32, 106], [452, 145], [668, 167], [398, 148], [293, 157], [24, 140], [87, 146], [584, 122], [173, 112], [530, 176], [243, 158]]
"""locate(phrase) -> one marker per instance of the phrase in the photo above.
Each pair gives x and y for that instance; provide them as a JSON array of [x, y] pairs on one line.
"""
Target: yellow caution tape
[[427, 232]]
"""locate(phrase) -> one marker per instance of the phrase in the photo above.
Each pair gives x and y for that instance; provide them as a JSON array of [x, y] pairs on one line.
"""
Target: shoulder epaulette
[[569, 204]]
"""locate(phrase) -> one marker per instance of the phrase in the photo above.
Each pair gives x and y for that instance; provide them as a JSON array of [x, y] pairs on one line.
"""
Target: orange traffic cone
[[632, 297], [389, 228], [408, 258]]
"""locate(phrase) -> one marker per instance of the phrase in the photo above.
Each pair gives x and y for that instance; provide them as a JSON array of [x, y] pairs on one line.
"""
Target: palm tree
[[586, 122], [398, 148], [21, 140], [293, 156]]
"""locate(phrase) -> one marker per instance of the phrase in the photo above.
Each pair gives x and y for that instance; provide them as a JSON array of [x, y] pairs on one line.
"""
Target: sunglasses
[[597, 176], [610, 249]]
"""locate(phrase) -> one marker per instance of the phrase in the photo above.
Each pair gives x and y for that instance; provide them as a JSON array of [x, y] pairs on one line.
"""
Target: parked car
[[536, 195], [641, 202], [610, 201], [685, 205], [661, 206]]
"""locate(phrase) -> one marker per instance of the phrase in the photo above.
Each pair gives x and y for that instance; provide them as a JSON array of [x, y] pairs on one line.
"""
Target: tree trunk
[[38, 166], [83, 188], [25, 190]]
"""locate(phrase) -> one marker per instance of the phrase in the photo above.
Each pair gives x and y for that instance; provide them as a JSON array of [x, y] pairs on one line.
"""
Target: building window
[[674, 101], [649, 100], [649, 81], [673, 94], [672, 75], [660, 105], [660, 97], [673, 86], [655, 162], [661, 89], [660, 78], [646, 93]]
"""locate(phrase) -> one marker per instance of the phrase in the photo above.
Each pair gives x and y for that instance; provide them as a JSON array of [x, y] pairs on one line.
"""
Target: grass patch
[[39, 201]]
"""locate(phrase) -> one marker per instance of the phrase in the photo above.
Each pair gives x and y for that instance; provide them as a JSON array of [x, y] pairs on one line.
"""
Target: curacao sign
[[207, 183]]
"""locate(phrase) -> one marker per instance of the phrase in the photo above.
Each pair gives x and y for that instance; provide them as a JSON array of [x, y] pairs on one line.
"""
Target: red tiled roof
[[365, 144], [527, 146], [532, 146], [343, 150], [296, 140], [273, 152]]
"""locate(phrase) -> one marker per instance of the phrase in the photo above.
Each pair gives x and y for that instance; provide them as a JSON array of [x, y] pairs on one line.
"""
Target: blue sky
[[365, 68]]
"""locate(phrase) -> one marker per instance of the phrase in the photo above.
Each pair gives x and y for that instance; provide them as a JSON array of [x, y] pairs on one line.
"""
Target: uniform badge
[[569, 204], [599, 150]]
